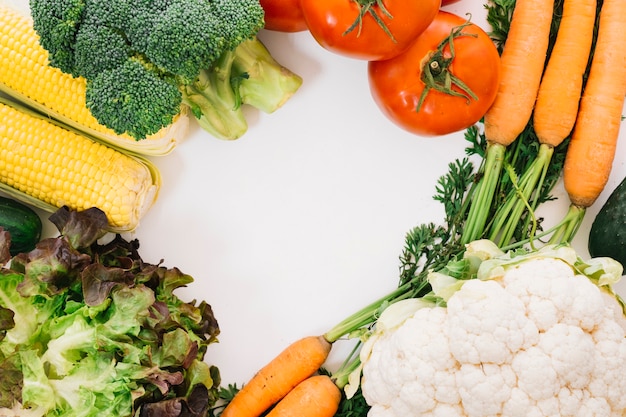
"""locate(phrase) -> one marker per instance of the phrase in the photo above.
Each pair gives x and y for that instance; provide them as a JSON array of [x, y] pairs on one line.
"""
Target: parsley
[[499, 14], [225, 396], [354, 407]]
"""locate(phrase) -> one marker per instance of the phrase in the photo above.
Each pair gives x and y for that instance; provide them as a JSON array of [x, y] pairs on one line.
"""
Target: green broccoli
[[141, 19], [144, 59]]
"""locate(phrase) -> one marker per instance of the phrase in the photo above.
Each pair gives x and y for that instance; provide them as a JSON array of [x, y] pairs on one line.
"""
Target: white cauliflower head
[[535, 338]]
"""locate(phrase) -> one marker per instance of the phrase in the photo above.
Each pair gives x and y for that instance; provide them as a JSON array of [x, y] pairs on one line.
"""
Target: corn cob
[[48, 165], [26, 76]]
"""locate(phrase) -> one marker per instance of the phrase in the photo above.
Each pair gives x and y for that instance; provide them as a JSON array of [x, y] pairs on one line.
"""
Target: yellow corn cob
[[26, 75], [50, 166]]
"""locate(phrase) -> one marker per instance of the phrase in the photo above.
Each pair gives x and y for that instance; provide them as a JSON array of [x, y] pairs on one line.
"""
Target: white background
[[300, 223]]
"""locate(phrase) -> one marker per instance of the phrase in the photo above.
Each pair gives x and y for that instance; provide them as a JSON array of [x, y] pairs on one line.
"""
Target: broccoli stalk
[[144, 61], [265, 84], [248, 74], [214, 102]]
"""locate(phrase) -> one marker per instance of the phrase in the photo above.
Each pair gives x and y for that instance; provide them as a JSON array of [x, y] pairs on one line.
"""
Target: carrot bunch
[[555, 111], [588, 112], [549, 93]]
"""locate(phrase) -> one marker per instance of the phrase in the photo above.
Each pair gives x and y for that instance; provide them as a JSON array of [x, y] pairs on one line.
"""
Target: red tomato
[[283, 15], [335, 25], [397, 84]]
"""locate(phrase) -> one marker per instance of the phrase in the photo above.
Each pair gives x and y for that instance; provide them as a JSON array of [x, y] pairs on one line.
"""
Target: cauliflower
[[540, 334]]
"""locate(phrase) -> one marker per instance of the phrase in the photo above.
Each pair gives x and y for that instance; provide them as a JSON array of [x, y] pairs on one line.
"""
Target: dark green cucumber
[[22, 223], [608, 230]]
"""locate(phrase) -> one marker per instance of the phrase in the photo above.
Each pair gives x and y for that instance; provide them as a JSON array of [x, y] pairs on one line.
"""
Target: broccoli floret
[[142, 19], [181, 46], [111, 13], [239, 19], [144, 59], [130, 98], [56, 22], [99, 48]]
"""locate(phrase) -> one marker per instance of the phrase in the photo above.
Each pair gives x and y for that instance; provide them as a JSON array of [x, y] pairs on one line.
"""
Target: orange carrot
[[562, 82], [316, 396], [590, 154], [293, 365], [523, 59]]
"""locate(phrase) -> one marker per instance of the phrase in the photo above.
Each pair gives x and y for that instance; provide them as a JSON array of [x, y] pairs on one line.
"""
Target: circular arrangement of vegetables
[[494, 312]]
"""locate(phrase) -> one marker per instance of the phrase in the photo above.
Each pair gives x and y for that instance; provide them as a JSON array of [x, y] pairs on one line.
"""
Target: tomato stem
[[436, 74], [365, 7]]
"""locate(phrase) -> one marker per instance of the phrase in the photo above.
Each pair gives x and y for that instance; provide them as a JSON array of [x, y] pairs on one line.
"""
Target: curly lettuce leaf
[[101, 332]]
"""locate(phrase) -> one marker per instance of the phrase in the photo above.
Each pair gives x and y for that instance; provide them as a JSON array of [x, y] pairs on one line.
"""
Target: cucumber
[[22, 223], [608, 230]]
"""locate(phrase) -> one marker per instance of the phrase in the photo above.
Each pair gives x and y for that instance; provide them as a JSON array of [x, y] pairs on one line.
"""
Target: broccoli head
[[144, 59], [111, 13]]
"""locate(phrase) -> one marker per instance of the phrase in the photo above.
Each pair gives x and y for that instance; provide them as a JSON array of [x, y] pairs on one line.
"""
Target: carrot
[[591, 152], [555, 109], [316, 396], [523, 59], [561, 85], [293, 365]]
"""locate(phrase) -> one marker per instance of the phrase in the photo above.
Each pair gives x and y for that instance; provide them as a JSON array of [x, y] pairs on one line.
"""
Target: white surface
[[301, 222]]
